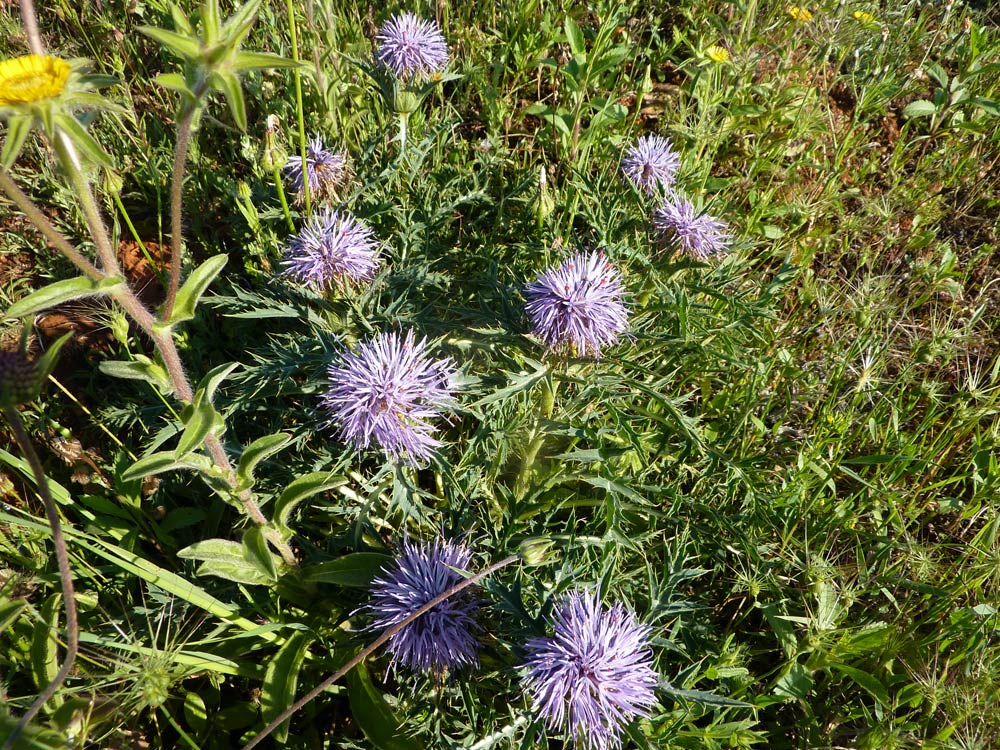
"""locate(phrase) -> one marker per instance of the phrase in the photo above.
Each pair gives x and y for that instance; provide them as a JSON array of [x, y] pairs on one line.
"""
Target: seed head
[[389, 391], [578, 306], [594, 676], [444, 637], [412, 47]]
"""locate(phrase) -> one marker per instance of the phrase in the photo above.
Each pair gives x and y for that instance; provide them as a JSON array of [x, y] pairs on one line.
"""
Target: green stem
[[65, 576], [546, 403], [135, 234], [284, 201], [404, 118], [299, 110], [374, 646]]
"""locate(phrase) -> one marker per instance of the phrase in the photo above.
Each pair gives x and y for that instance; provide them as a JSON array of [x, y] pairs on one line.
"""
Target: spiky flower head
[[594, 675], [697, 234], [333, 250], [389, 391], [717, 54], [328, 171], [651, 164], [30, 78], [19, 378], [443, 638], [578, 306], [412, 47]]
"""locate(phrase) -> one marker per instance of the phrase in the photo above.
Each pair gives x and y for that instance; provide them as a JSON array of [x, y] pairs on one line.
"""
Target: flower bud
[[536, 550], [545, 203]]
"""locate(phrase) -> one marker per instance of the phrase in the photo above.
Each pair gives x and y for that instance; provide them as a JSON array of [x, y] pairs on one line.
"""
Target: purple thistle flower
[[333, 249], [388, 391], [409, 46], [578, 305], [328, 171], [595, 675], [651, 164], [699, 235], [442, 638]]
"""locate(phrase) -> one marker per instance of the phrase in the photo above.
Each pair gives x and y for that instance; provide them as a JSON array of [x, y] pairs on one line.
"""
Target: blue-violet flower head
[[578, 306], [412, 47], [699, 235], [389, 391], [651, 164], [594, 675], [443, 638], [328, 171], [334, 249]]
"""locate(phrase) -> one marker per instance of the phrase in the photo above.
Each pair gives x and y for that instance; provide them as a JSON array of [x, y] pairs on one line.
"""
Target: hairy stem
[[65, 577], [177, 200], [46, 227], [299, 111], [30, 22], [276, 174], [70, 162], [375, 645]]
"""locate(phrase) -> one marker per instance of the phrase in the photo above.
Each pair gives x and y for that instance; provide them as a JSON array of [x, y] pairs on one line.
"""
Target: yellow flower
[[32, 77], [799, 14], [863, 17], [717, 54]]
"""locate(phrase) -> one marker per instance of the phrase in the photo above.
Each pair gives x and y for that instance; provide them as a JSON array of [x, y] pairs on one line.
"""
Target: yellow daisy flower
[[717, 54], [863, 17], [30, 78], [801, 15]]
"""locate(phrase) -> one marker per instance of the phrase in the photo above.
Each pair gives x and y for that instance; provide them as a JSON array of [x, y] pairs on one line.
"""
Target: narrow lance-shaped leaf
[[281, 681], [60, 292], [229, 84], [256, 452], [299, 490], [18, 128], [195, 286], [183, 46]]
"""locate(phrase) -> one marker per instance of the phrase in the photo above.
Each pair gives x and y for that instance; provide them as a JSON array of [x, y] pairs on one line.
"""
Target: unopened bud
[[112, 181], [536, 550], [273, 156], [545, 203]]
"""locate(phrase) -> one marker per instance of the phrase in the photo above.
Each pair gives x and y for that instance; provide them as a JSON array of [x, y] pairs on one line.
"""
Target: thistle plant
[[698, 235], [410, 63]]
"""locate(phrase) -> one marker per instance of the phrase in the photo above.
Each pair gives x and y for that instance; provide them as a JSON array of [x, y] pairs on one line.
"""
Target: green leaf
[[868, 682], [518, 382], [213, 379], [229, 84], [263, 61], [180, 19], [194, 287], [195, 713], [255, 551], [18, 129], [141, 368], [176, 82], [225, 559], [299, 490], [703, 697], [919, 108], [84, 141], [157, 463], [45, 644], [239, 571], [257, 451], [356, 569], [59, 292], [47, 362], [238, 25], [211, 21], [281, 681], [577, 44], [10, 610], [375, 717], [182, 46], [200, 418], [988, 106], [796, 682]]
